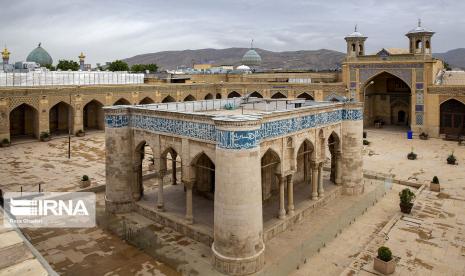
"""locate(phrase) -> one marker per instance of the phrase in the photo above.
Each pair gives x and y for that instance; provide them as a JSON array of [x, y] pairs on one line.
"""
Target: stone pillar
[[4, 120], [160, 199], [173, 167], [118, 164], [290, 195], [189, 209], [238, 247], [321, 190], [338, 178], [352, 161], [282, 209], [314, 180]]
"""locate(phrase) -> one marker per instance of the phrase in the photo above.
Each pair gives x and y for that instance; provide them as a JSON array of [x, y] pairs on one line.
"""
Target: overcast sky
[[107, 30]]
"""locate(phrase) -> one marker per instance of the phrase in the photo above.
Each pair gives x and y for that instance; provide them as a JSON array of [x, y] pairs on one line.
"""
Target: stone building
[[254, 167]]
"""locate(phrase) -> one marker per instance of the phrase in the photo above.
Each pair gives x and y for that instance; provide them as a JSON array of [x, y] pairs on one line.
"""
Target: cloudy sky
[[106, 30]]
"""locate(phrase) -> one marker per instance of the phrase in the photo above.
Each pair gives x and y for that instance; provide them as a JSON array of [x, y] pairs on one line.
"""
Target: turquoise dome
[[251, 58], [40, 56]]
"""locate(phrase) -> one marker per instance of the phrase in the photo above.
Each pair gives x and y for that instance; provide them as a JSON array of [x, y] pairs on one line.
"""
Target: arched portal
[[335, 152], [168, 99], [452, 114], [93, 115], [147, 100], [189, 98], [60, 118], [24, 122], [278, 95], [122, 101], [305, 154], [171, 161], [385, 96], [144, 162], [209, 96], [270, 165], [305, 96], [234, 94], [256, 95], [218, 96], [204, 176]]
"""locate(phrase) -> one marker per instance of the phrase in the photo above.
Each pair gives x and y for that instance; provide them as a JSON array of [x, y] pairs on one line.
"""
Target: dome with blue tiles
[[40, 56]]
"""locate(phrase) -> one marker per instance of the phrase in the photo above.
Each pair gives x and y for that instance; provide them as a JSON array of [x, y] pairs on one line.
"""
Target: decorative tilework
[[116, 121], [419, 118], [238, 139], [419, 97], [419, 85], [353, 84], [419, 108], [387, 66]]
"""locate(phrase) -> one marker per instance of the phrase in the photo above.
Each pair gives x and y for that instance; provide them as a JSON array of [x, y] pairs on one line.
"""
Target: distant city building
[[87, 67], [81, 61]]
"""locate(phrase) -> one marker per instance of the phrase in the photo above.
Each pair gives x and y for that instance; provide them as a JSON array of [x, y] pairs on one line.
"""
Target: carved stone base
[[238, 266], [118, 207]]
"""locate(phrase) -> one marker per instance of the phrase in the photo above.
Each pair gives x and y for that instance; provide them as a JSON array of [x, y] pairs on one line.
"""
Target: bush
[[44, 134], [384, 253], [366, 142], [364, 135], [435, 180], [451, 159], [80, 131], [412, 155], [84, 178], [5, 141], [406, 196], [423, 136]]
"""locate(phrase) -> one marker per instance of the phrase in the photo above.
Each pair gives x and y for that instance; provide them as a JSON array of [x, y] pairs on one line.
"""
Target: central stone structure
[[240, 151]]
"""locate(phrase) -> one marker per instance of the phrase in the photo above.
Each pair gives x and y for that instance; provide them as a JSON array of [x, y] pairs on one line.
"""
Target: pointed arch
[[147, 100], [306, 96], [24, 122], [218, 96], [304, 157], [278, 95], [168, 99], [234, 94], [334, 146], [256, 95], [452, 117], [122, 101], [60, 118], [189, 98], [93, 117], [209, 96], [203, 169], [270, 168]]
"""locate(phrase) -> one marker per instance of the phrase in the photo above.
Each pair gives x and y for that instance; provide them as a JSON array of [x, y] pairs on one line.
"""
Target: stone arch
[[60, 118], [366, 76], [168, 99], [256, 95], [143, 161], [278, 95], [209, 96], [122, 101], [203, 172], [24, 122], [270, 168], [147, 100], [218, 96], [189, 98], [452, 117], [234, 94], [399, 107], [334, 146], [306, 96], [305, 155], [93, 117]]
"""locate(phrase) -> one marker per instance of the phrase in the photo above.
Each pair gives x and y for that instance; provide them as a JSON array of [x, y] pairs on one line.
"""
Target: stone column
[[338, 178], [315, 180], [189, 209], [118, 161], [160, 199], [290, 195], [238, 247], [173, 167], [352, 161], [321, 190], [282, 209]]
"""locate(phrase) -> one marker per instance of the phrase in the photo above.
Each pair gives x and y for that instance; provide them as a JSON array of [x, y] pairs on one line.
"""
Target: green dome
[[251, 58], [40, 56]]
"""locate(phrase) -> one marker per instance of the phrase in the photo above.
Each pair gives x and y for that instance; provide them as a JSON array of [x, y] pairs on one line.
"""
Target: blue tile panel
[[233, 139]]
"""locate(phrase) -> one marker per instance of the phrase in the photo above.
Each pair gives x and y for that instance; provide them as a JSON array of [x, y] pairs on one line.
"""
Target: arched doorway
[[204, 176], [208, 96], [386, 98], [168, 99], [452, 114], [60, 118], [270, 164], [93, 115], [335, 154], [146, 100], [234, 94], [218, 96], [171, 161], [24, 122], [278, 95], [122, 101], [189, 98], [144, 164], [305, 96], [305, 154], [256, 95]]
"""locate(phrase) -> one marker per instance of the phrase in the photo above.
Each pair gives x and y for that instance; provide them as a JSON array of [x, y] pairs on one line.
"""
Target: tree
[[144, 67], [118, 65], [447, 66], [66, 65], [50, 67]]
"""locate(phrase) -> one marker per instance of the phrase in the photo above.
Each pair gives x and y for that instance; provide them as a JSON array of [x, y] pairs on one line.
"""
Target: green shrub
[[384, 253], [366, 142], [44, 134], [406, 196], [5, 141], [435, 180], [84, 178], [451, 159]]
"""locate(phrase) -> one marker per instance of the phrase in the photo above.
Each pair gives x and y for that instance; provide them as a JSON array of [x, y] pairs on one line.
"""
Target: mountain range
[[288, 60]]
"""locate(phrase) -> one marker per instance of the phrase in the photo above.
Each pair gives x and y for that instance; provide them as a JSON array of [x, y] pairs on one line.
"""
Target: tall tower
[[355, 44], [81, 61], [6, 56], [420, 40]]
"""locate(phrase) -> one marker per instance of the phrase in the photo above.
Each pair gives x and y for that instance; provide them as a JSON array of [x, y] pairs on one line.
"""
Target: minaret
[[355, 43], [81, 61], [420, 40], [6, 56]]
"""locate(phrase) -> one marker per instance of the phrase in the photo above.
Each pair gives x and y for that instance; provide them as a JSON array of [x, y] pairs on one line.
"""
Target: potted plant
[[412, 155], [451, 160], [423, 136], [44, 136], [151, 164], [5, 142], [80, 133], [406, 197], [384, 263], [85, 181], [434, 185], [364, 135], [366, 142]]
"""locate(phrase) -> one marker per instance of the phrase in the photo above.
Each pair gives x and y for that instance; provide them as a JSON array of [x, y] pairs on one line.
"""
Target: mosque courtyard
[[430, 241]]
